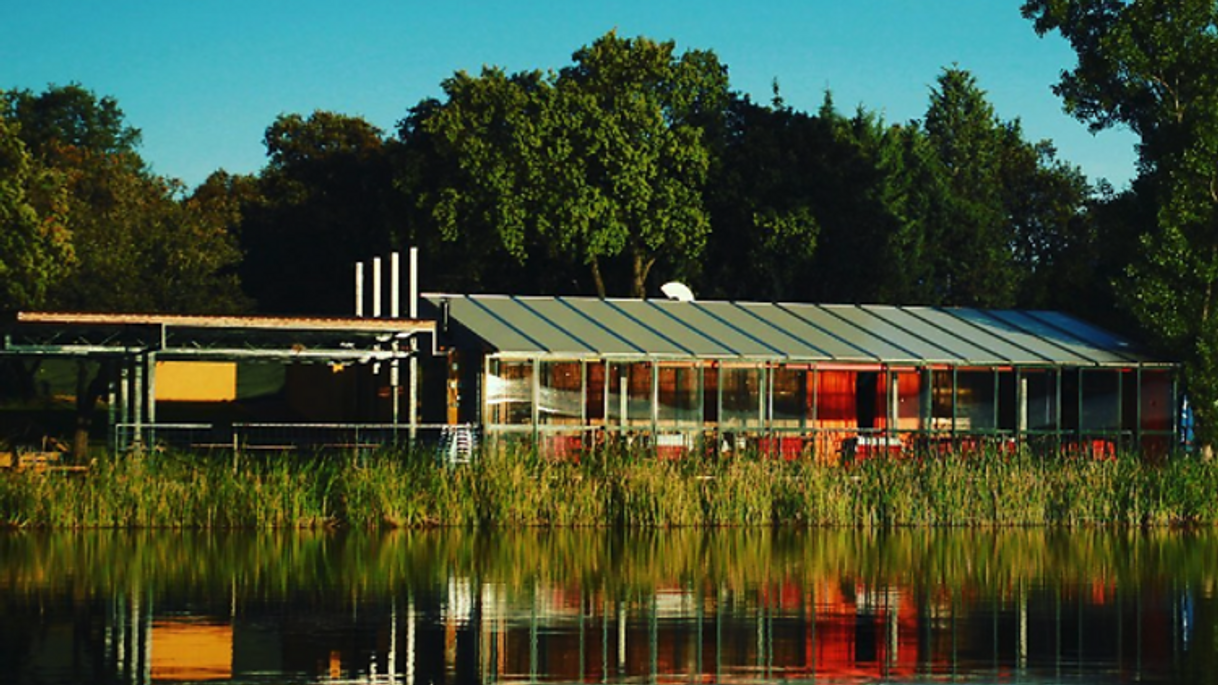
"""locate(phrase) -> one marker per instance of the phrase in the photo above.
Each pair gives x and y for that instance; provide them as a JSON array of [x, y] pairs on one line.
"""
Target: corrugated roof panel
[[877, 321], [1008, 351], [570, 316], [832, 323], [802, 332], [700, 317], [964, 350], [697, 343], [550, 338], [481, 322], [1050, 335], [1097, 337], [608, 314], [1035, 346], [767, 330], [783, 318]]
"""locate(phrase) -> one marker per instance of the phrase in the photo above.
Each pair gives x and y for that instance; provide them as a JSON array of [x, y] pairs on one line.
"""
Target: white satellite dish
[[677, 291]]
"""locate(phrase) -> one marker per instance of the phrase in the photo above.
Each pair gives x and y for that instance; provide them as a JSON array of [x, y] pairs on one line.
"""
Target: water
[[597, 606]]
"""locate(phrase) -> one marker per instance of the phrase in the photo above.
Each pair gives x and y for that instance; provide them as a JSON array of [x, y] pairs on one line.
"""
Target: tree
[[974, 241], [35, 245], [1152, 65], [764, 225], [602, 161], [325, 200], [69, 116], [136, 244]]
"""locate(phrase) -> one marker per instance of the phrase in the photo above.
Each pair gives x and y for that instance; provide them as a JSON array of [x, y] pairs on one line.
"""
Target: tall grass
[[515, 487]]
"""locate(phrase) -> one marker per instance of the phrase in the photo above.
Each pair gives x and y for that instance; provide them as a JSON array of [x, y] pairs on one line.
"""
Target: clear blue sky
[[203, 80]]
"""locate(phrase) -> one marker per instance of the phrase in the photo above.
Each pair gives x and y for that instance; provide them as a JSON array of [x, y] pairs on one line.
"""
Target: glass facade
[[1098, 409], [678, 395], [560, 397], [509, 392], [741, 399]]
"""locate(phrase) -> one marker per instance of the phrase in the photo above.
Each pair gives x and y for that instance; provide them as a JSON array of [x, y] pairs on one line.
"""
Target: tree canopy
[[603, 160], [1152, 65]]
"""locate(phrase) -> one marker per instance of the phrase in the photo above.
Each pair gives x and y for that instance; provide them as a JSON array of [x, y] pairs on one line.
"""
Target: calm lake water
[[598, 606]]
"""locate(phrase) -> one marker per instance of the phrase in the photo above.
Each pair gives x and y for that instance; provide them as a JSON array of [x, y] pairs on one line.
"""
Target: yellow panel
[[196, 381], [191, 651]]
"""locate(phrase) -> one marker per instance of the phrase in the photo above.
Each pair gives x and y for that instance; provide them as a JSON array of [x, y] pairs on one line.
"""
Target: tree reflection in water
[[607, 606]]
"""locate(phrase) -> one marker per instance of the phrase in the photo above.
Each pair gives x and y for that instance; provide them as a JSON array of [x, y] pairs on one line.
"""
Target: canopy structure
[[173, 336], [816, 377], [133, 355]]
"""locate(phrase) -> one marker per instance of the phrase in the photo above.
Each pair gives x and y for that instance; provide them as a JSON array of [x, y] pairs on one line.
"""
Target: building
[[796, 379], [570, 373]]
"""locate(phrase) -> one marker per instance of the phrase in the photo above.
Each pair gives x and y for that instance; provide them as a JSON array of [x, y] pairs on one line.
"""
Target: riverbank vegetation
[[515, 489]]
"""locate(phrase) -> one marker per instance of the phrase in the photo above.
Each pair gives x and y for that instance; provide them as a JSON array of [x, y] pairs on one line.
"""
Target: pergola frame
[[132, 344]]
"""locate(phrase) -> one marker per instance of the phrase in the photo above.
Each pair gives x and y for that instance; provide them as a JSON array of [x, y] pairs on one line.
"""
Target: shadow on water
[[752, 605]]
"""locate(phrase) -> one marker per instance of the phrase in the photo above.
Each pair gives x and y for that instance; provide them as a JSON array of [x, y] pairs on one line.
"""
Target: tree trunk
[[598, 279], [641, 267], [88, 391]]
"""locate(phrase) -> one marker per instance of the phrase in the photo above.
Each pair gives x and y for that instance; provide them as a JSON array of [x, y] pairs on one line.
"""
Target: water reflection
[[600, 606]]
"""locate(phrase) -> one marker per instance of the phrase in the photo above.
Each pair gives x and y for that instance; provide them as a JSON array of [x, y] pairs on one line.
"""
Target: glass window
[[941, 391], [836, 401], [1101, 401], [594, 394], [678, 394], [741, 389], [710, 395], [790, 396], [907, 387], [509, 392], [975, 409], [1156, 400], [630, 394], [560, 395], [1040, 401]]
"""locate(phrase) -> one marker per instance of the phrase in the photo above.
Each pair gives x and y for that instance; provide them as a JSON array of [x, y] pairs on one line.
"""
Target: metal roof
[[208, 337], [586, 328]]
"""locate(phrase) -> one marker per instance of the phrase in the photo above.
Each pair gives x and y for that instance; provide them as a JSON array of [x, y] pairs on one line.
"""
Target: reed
[[513, 487]]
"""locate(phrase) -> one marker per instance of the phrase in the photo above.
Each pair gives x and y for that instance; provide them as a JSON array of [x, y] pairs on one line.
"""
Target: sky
[[203, 80]]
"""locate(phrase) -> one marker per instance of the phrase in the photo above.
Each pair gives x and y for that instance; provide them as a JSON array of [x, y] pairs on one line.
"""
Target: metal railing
[[451, 443], [461, 443]]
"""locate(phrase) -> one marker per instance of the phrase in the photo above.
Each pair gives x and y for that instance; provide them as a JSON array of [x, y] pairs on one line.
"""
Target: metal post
[[894, 403], [1137, 428], [376, 287], [124, 403], [955, 400], [995, 417], [359, 289], [137, 399], [111, 404], [151, 381], [1120, 407], [414, 344], [395, 311], [1021, 404]]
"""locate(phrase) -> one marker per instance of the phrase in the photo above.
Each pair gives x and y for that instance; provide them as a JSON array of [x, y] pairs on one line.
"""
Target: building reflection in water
[[778, 619]]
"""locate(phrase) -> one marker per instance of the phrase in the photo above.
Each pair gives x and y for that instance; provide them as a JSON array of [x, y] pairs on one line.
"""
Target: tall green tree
[[974, 237], [35, 244], [603, 161], [1152, 65], [764, 225], [69, 116], [325, 200], [136, 244]]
